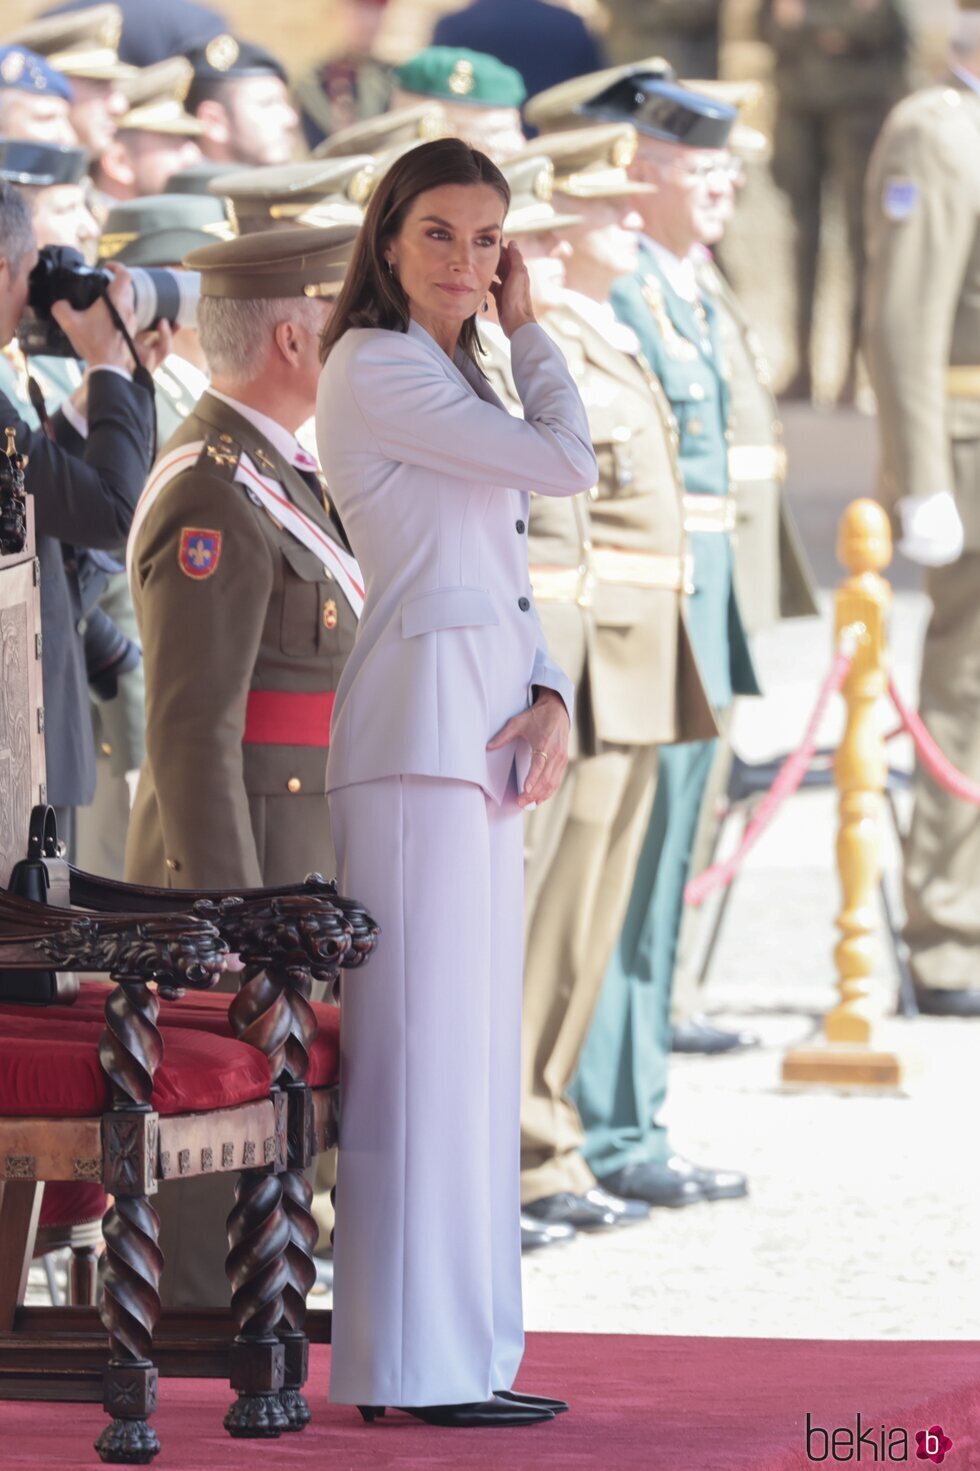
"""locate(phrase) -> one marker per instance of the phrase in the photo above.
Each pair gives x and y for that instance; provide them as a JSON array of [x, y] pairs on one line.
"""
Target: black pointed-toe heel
[[492, 1412], [536, 1401]]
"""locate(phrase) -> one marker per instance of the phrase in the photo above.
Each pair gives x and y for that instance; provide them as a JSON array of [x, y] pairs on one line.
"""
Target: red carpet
[[708, 1404]]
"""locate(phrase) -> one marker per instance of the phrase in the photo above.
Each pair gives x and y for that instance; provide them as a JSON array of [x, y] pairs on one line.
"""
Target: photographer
[[83, 496]]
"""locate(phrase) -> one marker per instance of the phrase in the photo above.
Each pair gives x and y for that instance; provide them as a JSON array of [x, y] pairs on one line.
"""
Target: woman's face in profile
[[447, 251]]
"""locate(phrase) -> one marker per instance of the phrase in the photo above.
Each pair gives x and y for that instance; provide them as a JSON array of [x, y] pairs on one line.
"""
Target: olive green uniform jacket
[[922, 343], [240, 670]]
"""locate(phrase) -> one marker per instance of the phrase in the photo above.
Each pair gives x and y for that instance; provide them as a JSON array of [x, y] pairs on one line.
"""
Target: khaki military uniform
[[922, 341], [644, 691], [236, 663]]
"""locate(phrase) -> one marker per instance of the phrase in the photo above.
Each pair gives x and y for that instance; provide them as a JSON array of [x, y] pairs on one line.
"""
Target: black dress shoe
[[490, 1413], [556, 1406], [697, 1035], [715, 1184], [656, 1184], [537, 1234], [594, 1211], [935, 1002]]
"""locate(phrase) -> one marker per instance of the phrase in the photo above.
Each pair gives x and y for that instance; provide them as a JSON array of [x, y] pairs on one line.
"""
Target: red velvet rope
[[791, 773], [939, 767]]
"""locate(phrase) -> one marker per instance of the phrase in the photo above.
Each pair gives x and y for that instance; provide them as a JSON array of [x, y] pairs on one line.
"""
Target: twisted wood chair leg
[[259, 1235]]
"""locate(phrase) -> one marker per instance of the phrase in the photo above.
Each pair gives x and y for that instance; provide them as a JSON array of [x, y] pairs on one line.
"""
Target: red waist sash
[[280, 718]]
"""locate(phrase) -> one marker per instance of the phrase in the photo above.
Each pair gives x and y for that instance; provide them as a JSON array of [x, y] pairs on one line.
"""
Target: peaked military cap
[[22, 70], [197, 179], [748, 141], [41, 164], [664, 110], [80, 43], [560, 107], [156, 97], [405, 126], [459, 75], [227, 57], [308, 261], [160, 229], [532, 182], [316, 192], [591, 163]]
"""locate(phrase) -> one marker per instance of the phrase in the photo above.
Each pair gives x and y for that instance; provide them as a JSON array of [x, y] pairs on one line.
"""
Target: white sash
[[266, 493]]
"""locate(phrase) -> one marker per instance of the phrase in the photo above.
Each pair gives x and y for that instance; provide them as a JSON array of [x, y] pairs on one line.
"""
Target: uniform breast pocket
[[304, 624]]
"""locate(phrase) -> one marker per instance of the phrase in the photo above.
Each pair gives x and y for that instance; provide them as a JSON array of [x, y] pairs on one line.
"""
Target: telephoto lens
[[61, 274]]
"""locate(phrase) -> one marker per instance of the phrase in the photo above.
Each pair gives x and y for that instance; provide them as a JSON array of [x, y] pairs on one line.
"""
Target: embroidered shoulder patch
[[899, 199], [199, 552]]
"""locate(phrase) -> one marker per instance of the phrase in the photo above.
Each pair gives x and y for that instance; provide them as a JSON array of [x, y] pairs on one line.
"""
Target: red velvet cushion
[[62, 1078], [205, 1011], [70, 1203]]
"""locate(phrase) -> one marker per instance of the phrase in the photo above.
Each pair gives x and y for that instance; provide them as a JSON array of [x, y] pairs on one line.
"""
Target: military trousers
[[427, 1250], [622, 1077], [942, 852], [581, 901]]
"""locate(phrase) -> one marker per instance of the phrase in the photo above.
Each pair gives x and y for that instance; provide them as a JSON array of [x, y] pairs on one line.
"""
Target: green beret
[[458, 75], [309, 261], [160, 229]]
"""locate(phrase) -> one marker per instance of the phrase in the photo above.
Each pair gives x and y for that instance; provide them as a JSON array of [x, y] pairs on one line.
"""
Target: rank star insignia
[[199, 552]]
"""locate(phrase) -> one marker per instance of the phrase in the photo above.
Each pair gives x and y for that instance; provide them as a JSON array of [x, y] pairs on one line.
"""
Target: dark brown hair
[[371, 296]]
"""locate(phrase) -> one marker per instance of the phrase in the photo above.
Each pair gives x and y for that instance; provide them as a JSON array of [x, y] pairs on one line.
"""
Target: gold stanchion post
[[847, 1057]]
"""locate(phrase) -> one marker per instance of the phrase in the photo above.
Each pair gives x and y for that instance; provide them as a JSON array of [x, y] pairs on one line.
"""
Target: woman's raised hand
[[512, 290], [545, 727]]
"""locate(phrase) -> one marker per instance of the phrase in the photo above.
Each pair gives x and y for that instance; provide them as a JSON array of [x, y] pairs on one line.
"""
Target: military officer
[[480, 95], [621, 1083], [643, 683], [34, 98], [922, 340], [156, 136], [239, 95], [247, 601], [84, 47]]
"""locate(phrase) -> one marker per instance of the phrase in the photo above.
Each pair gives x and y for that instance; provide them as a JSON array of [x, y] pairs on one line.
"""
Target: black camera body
[[61, 274]]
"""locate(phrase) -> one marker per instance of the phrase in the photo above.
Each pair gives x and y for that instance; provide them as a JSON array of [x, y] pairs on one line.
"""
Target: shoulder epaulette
[[220, 454]]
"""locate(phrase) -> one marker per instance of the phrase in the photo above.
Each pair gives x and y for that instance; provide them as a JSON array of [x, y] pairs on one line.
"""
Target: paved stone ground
[[862, 1216]]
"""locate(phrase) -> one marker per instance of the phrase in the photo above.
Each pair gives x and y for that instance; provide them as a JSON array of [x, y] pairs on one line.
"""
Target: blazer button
[[524, 604], [174, 865], [294, 784], [521, 528]]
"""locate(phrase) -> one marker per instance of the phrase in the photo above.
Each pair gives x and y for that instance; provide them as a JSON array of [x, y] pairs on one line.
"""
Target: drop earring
[[391, 269], [486, 304]]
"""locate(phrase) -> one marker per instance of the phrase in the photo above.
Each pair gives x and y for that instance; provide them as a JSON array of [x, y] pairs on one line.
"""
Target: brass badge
[[222, 451], [624, 151], [12, 67], [330, 614], [675, 345], [222, 52], [462, 80], [544, 182]]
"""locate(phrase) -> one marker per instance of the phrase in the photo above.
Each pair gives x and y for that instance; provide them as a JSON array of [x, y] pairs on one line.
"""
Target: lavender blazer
[[430, 475]]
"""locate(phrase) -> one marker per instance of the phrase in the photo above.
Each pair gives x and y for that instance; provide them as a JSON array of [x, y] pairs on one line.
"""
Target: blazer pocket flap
[[447, 607]]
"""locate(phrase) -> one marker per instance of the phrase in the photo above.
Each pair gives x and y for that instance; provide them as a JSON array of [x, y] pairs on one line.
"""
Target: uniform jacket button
[[294, 784], [174, 865], [521, 528], [524, 604], [81, 626]]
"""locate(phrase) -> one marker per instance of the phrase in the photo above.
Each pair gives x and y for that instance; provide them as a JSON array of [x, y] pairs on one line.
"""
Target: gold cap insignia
[[624, 151], [12, 67], [462, 81], [432, 125], [544, 182], [330, 614], [222, 52], [362, 185]]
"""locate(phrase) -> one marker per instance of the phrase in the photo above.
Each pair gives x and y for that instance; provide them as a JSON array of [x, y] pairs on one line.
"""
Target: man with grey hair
[[922, 343], [247, 599]]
